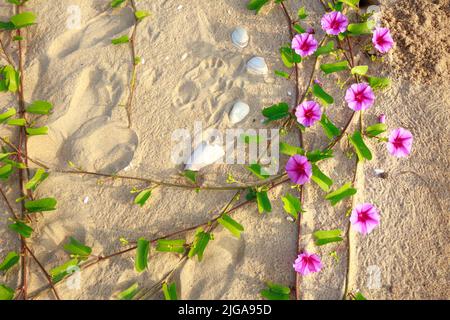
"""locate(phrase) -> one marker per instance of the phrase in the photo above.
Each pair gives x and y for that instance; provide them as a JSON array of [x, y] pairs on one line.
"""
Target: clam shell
[[257, 65], [240, 38], [204, 155], [239, 112]]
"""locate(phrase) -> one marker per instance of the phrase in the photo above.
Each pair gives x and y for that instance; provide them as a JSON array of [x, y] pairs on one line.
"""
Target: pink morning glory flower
[[304, 44], [307, 263], [400, 143], [299, 169], [382, 40], [365, 218], [360, 97], [334, 23], [382, 118], [308, 113]]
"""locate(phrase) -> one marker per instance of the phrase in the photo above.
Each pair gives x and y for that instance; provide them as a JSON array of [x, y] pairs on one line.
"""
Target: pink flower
[[304, 44], [382, 118], [382, 40], [360, 97], [400, 143], [308, 113], [299, 169], [334, 23], [307, 263], [365, 218]]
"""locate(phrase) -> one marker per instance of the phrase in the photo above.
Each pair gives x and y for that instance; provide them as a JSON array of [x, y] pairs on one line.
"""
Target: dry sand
[[191, 72]]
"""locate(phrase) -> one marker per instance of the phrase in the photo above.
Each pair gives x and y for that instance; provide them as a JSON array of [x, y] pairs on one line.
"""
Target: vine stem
[[22, 156], [132, 85], [100, 259]]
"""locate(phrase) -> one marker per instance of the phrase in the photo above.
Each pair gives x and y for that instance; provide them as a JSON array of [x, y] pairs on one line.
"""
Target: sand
[[191, 72]]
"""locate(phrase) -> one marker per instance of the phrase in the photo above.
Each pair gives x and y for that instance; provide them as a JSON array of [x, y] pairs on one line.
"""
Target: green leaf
[[299, 29], [292, 205], [359, 296], [330, 129], [302, 14], [325, 49], [10, 78], [143, 249], [176, 246], [47, 204], [258, 171], [8, 114], [143, 197], [76, 248], [10, 261], [322, 180], [276, 292], [282, 74], [376, 129], [201, 241], [40, 107], [264, 205], [116, 3], [6, 293], [21, 228], [361, 28], [23, 19], [120, 40], [318, 155], [344, 192], [8, 25], [232, 225], [191, 175], [5, 172], [256, 5], [141, 15], [360, 147], [290, 150], [17, 122], [276, 112], [325, 237], [59, 273], [170, 291], [352, 3], [129, 293], [289, 57], [379, 83], [360, 70], [37, 179], [334, 67], [322, 95], [37, 131]]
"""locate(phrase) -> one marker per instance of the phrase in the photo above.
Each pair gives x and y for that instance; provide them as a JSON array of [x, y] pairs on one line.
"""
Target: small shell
[[239, 112], [86, 200], [204, 155], [257, 65], [240, 38]]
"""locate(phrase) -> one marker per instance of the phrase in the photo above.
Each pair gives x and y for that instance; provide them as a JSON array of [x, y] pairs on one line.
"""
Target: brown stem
[[132, 85], [99, 259], [47, 276]]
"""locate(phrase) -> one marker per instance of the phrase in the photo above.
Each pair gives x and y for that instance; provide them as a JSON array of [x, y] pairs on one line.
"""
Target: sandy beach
[[191, 72]]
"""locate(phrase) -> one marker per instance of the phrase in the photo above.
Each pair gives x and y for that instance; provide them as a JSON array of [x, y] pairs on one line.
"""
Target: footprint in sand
[[97, 32], [211, 78], [102, 145]]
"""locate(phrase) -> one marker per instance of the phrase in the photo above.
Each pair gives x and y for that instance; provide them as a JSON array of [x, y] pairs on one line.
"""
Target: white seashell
[[86, 200], [240, 37], [239, 112], [257, 65], [379, 171], [204, 155]]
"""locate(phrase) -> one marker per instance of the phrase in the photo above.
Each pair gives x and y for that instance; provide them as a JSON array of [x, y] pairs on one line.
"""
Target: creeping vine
[[333, 54]]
